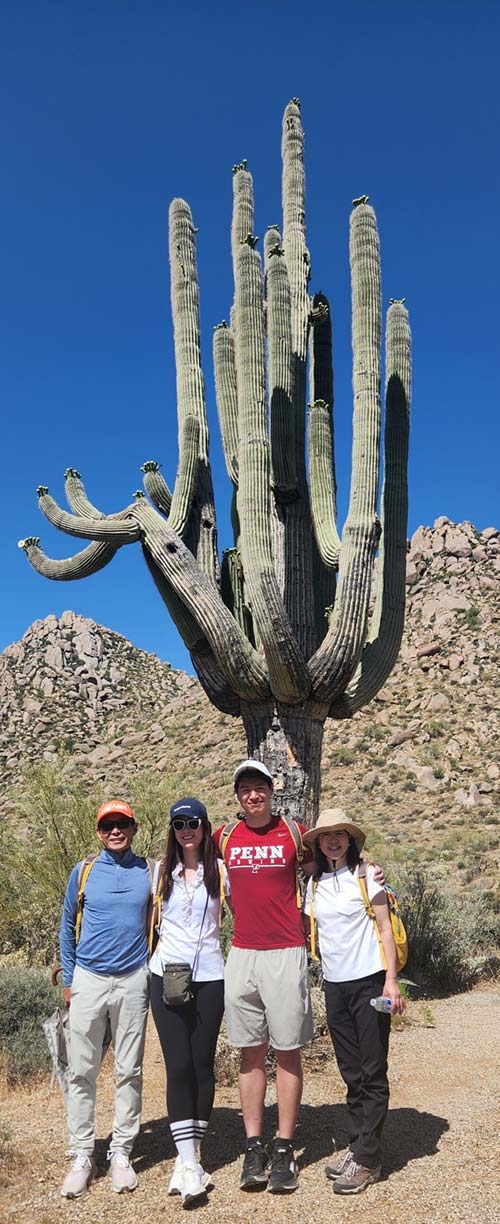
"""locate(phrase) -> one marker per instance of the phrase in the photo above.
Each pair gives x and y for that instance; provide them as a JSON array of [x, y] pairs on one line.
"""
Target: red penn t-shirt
[[261, 865]]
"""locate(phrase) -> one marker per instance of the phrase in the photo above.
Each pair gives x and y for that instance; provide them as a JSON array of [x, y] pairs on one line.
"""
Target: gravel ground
[[441, 1143]]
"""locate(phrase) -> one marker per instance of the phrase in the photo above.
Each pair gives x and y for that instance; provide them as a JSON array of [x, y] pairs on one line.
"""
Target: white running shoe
[[122, 1173], [176, 1183], [77, 1180], [193, 1185]]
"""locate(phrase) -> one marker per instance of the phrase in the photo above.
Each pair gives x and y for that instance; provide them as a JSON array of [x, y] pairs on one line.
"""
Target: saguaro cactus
[[281, 632]]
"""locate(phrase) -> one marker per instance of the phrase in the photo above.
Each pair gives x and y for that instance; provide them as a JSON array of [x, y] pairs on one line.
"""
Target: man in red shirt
[[266, 980]]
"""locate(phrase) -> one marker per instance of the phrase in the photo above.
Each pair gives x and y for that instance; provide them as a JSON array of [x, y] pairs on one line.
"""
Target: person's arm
[[391, 987], [67, 941]]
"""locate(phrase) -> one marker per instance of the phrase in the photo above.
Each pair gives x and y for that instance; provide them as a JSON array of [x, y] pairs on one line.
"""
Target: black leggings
[[188, 1038]]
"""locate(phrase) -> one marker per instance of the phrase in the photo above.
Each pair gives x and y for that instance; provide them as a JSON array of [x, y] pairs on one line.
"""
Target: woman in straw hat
[[354, 973]]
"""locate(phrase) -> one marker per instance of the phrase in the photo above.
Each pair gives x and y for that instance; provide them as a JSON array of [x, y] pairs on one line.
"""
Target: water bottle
[[381, 1004]]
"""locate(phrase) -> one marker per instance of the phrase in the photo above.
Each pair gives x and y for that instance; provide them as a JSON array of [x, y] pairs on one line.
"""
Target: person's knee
[[252, 1058], [289, 1060]]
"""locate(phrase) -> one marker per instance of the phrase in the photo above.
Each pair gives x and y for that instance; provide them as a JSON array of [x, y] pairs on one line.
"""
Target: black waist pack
[[177, 985]]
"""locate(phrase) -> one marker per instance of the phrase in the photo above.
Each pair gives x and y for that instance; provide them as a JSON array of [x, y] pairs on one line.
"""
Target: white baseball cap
[[252, 767]]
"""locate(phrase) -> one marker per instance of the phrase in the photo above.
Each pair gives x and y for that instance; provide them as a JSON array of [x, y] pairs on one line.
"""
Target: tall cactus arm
[[242, 216], [76, 496], [185, 481], [232, 592], [322, 483], [186, 319], [201, 534], [336, 659], [280, 376], [386, 629], [215, 684], [287, 668], [91, 559], [297, 258], [116, 531], [156, 486], [226, 396], [234, 656]]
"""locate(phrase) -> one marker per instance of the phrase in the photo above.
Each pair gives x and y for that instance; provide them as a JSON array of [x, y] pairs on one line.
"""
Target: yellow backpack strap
[[156, 903], [225, 835], [312, 920], [296, 836], [222, 895], [83, 875], [369, 908]]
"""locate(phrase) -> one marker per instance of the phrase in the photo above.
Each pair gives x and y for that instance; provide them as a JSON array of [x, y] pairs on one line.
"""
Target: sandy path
[[442, 1156]]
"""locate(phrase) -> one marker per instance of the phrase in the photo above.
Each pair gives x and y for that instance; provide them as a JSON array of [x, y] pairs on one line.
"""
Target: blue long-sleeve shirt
[[113, 938]]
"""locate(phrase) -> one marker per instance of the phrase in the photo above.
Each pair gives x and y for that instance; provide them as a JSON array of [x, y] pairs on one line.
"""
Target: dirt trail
[[441, 1141]]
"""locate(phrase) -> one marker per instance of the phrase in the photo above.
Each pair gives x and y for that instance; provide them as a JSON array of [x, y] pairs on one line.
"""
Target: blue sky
[[111, 108]]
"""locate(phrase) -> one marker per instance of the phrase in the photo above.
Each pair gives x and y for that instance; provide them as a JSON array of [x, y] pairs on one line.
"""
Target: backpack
[[83, 875], [398, 931], [295, 835]]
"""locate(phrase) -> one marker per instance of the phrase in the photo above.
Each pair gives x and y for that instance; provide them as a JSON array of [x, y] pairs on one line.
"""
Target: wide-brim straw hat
[[329, 821]]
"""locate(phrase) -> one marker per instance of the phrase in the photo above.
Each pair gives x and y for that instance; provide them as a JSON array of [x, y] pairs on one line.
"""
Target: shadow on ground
[[408, 1135]]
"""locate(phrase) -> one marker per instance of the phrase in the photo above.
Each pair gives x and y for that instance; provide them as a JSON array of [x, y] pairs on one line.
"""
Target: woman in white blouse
[[189, 932], [354, 973]]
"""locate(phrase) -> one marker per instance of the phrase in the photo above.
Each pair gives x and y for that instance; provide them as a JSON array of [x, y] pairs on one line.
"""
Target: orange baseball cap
[[115, 808]]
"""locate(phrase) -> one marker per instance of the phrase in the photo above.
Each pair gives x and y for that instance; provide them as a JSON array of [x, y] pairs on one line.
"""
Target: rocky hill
[[419, 765]]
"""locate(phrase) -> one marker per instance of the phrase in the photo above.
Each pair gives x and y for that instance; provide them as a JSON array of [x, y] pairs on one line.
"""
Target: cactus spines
[[281, 633]]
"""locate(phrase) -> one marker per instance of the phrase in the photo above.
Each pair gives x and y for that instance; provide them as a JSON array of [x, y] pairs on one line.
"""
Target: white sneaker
[[122, 1173], [77, 1180], [176, 1183], [193, 1187], [206, 1178]]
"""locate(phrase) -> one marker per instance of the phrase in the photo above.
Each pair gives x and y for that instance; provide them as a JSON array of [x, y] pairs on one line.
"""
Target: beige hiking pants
[[125, 999]]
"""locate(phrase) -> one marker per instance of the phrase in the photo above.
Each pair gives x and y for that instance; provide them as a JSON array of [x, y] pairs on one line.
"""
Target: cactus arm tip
[[363, 199]]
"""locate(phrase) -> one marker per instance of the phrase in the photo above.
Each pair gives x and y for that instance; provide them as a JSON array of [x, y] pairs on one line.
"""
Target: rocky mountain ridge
[[421, 760]]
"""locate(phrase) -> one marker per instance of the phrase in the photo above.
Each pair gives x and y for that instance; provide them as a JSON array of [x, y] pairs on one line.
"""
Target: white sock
[[187, 1150]]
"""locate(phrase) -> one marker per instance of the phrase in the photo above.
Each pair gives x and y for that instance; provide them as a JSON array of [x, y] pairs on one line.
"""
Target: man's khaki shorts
[[267, 998]]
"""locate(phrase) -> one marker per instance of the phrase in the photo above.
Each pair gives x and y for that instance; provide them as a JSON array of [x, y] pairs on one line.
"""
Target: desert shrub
[[27, 998], [52, 827], [450, 938]]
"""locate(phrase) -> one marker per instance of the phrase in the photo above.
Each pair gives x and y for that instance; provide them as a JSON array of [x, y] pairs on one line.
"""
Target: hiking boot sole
[[256, 1182], [282, 1188], [188, 1199], [369, 1181]]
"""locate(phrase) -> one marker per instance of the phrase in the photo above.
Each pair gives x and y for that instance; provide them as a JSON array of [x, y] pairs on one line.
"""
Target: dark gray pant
[[360, 1038]]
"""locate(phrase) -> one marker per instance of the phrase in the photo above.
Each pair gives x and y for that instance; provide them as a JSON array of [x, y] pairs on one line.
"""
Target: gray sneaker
[[340, 1166], [122, 1173], [77, 1180], [356, 1178]]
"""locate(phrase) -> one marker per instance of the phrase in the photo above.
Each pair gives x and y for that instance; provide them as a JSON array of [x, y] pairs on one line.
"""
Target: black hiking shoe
[[283, 1176], [255, 1170]]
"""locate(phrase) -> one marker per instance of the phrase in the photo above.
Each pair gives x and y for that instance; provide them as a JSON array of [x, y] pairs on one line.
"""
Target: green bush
[[51, 828], [27, 998], [449, 938]]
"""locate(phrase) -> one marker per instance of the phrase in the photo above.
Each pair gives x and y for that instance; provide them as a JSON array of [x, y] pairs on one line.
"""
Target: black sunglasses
[[191, 822], [121, 823]]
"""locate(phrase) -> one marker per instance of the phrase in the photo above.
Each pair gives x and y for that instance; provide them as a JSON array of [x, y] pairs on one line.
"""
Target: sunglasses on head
[[191, 822], [121, 823]]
